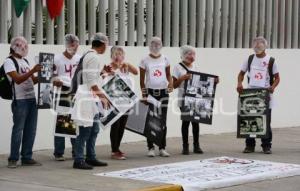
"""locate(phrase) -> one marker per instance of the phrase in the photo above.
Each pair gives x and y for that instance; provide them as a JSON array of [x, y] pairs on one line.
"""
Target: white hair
[[70, 39], [184, 50], [100, 37], [260, 39]]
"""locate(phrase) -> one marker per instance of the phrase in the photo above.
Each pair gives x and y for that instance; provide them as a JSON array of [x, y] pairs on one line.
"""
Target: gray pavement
[[59, 176]]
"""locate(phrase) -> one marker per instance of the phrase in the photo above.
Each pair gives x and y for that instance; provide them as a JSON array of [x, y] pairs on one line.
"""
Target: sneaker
[[151, 153], [267, 150], [117, 156], [12, 164], [163, 153], [60, 158], [249, 150], [82, 165], [121, 153], [95, 162], [30, 162], [198, 150]]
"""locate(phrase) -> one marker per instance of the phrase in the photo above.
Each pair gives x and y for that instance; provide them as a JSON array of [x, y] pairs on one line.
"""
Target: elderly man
[[66, 64], [23, 105], [263, 64]]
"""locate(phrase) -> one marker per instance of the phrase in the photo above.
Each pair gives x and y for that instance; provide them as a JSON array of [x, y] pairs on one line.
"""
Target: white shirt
[[25, 90], [155, 68], [179, 71], [259, 70], [66, 67]]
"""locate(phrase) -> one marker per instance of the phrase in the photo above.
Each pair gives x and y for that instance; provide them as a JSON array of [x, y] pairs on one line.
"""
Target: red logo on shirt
[[157, 73], [258, 76]]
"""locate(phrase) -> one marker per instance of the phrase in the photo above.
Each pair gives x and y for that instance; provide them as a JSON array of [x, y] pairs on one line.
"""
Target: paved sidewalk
[[59, 176]]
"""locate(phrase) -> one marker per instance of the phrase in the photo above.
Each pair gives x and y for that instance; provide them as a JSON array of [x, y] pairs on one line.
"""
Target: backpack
[[77, 78], [7, 87], [270, 68]]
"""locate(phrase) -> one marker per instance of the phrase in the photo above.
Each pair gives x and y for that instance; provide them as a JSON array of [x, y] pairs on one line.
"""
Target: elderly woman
[[156, 80]]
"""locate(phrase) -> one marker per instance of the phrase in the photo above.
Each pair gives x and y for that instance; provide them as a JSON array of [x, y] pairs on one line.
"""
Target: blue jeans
[[24, 128], [87, 136], [59, 146]]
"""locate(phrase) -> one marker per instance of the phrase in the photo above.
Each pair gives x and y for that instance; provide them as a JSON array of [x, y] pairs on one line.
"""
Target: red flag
[[54, 7]]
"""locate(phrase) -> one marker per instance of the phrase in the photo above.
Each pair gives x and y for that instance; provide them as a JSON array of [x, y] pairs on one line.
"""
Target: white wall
[[222, 62]]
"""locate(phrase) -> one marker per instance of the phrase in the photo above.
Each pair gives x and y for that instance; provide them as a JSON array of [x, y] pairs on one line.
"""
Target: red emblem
[[157, 73]]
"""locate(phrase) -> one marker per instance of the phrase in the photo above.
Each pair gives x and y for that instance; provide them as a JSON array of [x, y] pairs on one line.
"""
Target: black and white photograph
[[137, 118], [198, 99], [47, 62], [65, 126], [45, 96], [108, 116], [119, 93], [253, 113]]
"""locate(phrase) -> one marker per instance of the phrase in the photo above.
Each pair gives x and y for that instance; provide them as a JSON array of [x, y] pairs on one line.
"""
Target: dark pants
[[265, 142], [185, 132], [59, 146], [87, 136], [163, 97], [117, 132], [24, 128]]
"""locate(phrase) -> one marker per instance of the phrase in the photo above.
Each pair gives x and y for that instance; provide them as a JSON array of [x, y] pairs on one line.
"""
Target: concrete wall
[[222, 62]]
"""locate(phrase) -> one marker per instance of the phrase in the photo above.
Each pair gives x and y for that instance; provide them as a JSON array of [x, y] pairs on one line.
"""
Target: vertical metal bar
[[61, 28], [91, 19], [224, 23], [140, 23], [261, 20], [216, 24], [71, 17], [208, 24], [232, 23], [130, 28], [281, 23], [3, 21], [295, 23], [254, 18], [149, 20], [167, 22], [15, 21], [111, 22], [247, 14], [102, 17], [275, 25], [175, 23], [82, 21], [121, 23], [50, 30], [200, 22], [239, 39], [38, 22], [192, 22], [268, 20], [158, 18], [289, 9], [27, 23]]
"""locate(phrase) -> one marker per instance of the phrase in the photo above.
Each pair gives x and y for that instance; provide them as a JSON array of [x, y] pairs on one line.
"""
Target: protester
[[66, 64], [123, 69], [156, 80], [92, 66], [262, 63], [24, 107]]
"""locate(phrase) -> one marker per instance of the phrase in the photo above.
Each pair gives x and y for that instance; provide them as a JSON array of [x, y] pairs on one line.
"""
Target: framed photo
[[47, 62], [65, 126], [45, 96], [253, 113], [121, 97], [198, 98]]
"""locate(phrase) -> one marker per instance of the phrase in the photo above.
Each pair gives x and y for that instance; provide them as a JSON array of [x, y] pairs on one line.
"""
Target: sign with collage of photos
[[198, 99], [253, 113], [45, 84]]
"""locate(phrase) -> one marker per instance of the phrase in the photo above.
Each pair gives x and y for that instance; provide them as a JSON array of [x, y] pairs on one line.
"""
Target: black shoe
[[30, 162], [267, 150], [185, 150], [249, 150], [198, 150], [12, 164], [95, 162], [82, 165]]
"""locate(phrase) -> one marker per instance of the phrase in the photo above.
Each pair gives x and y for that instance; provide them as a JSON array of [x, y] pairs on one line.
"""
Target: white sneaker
[[163, 153], [151, 153]]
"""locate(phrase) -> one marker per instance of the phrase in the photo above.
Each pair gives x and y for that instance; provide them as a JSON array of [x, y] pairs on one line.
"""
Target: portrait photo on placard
[[47, 62]]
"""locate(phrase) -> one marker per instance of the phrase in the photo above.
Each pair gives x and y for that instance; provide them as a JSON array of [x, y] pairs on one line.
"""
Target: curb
[[163, 188]]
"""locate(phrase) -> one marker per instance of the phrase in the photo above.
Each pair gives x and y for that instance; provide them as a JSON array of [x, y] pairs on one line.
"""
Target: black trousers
[[265, 142], [162, 96], [116, 133], [185, 132]]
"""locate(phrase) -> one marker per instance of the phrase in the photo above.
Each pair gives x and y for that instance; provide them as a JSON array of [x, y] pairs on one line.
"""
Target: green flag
[[20, 6]]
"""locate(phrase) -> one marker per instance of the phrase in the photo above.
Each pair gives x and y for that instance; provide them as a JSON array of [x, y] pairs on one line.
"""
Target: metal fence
[[200, 23]]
